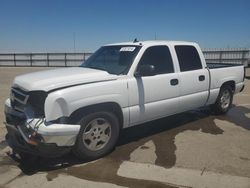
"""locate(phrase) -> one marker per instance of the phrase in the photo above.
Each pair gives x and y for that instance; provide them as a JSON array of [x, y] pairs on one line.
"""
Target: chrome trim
[[20, 93], [9, 110]]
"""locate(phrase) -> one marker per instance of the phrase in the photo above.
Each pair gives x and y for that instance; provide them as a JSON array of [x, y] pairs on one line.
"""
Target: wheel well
[[108, 106], [229, 83]]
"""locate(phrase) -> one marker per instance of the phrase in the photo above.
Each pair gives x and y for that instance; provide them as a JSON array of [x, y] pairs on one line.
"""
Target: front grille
[[36, 101], [19, 99]]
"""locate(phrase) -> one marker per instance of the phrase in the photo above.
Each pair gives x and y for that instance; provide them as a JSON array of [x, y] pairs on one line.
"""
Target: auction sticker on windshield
[[127, 49]]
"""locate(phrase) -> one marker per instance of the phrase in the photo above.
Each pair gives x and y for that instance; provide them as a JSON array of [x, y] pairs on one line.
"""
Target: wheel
[[98, 135], [224, 100]]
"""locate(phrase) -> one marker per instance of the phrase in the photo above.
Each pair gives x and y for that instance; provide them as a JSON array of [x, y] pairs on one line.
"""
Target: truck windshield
[[113, 59]]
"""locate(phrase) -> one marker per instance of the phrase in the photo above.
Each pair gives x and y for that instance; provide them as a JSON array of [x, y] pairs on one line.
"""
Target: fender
[[62, 103]]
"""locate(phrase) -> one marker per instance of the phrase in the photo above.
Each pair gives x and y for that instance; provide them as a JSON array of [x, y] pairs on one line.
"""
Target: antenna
[[135, 40]]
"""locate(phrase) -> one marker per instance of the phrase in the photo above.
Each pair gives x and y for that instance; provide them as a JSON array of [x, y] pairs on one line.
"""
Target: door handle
[[201, 78], [174, 82]]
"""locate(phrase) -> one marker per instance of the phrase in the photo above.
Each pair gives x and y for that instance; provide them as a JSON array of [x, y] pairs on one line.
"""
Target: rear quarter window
[[188, 58]]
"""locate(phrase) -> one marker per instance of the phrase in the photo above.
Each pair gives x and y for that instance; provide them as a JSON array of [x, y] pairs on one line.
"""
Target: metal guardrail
[[43, 59], [234, 56]]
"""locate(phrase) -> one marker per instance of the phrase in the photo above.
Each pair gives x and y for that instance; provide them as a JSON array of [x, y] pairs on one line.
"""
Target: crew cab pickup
[[83, 109]]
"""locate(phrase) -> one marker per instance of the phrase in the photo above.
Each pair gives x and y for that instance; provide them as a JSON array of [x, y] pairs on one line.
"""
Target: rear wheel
[[98, 135], [224, 100]]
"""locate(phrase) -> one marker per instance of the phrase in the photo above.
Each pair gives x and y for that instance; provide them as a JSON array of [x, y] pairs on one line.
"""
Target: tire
[[224, 100], [98, 135]]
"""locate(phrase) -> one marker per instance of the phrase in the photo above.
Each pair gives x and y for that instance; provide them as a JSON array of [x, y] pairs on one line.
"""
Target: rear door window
[[188, 58]]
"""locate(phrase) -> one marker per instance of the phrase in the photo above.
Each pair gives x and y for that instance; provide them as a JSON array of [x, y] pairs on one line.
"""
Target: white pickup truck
[[83, 109]]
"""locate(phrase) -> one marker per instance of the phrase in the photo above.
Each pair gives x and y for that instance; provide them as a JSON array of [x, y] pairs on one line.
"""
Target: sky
[[83, 26]]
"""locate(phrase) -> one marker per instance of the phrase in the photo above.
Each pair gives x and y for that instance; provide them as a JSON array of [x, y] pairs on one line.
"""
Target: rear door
[[194, 78], [151, 97]]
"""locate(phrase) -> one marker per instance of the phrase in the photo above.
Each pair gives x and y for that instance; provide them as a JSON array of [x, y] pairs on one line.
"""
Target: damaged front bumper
[[36, 136]]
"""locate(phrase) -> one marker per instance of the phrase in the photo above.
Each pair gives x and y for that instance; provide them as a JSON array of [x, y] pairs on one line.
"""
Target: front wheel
[[224, 100], [98, 135]]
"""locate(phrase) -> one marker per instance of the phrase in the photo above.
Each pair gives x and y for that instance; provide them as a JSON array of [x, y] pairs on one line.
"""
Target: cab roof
[[153, 42]]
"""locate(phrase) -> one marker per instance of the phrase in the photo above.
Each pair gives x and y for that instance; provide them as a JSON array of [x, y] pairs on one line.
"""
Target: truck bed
[[221, 65]]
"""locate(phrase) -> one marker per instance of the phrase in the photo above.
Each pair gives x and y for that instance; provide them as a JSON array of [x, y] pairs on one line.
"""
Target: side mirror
[[145, 70]]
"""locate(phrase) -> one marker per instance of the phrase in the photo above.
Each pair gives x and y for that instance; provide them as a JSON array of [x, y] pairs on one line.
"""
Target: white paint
[[152, 97], [51, 79], [193, 93], [140, 99], [127, 49]]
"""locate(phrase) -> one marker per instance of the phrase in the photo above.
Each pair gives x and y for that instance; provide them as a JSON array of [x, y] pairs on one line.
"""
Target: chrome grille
[[18, 98]]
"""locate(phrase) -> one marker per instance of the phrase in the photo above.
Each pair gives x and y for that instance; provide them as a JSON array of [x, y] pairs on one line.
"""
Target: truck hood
[[58, 78]]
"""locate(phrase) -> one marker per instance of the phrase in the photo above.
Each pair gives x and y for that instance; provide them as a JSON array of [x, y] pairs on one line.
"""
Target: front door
[[152, 97]]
